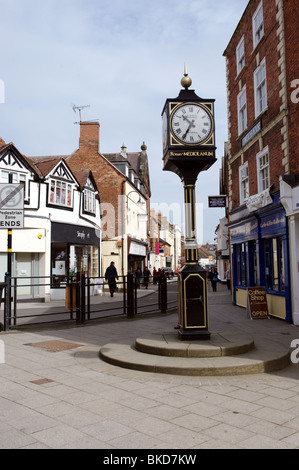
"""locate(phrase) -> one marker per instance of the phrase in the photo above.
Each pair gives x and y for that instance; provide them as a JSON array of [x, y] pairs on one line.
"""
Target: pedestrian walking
[[138, 275], [214, 280], [146, 275], [111, 276]]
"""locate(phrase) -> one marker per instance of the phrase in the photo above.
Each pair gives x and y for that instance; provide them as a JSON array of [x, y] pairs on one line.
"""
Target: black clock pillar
[[188, 149]]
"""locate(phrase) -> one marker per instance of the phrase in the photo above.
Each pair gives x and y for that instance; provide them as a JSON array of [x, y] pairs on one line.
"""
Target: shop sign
[[272, 224], [217, 201], [257, 302], [137, 249], [251, 133], [74, 234], [246, 230], [257, 201]]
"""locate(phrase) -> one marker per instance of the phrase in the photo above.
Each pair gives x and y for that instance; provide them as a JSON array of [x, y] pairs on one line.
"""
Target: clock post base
[[193, 303]]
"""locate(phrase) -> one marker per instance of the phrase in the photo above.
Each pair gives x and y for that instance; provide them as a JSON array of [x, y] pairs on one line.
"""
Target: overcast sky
[[123, 58]]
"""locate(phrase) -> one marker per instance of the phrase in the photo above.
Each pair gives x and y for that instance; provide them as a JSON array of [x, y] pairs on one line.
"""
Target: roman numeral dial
[[191, 123]]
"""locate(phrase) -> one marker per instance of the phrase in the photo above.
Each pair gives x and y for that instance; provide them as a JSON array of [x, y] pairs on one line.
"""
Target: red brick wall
[[273, 138], [291, 12], [266, 48], [108, 179]]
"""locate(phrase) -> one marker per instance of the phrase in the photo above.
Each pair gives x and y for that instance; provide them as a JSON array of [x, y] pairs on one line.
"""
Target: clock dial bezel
[[189, 128]]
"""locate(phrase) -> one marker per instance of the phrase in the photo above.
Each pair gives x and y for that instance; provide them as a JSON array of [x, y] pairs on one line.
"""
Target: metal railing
[[80, 302]]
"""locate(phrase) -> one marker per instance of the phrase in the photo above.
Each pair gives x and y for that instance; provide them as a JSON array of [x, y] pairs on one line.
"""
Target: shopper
[[111, 276]]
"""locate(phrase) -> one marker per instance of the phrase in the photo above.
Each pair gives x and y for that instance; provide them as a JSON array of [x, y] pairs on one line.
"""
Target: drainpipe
[[122, 226]]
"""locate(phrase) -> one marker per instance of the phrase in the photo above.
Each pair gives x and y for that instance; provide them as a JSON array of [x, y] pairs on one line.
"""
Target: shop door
[[23, 270]]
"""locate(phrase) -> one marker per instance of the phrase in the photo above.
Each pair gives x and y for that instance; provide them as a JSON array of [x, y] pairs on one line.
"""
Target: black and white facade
[[62, 224]]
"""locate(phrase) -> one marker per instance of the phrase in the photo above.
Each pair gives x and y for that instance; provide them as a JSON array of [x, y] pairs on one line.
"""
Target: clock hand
[[188, 129], [186, 119]]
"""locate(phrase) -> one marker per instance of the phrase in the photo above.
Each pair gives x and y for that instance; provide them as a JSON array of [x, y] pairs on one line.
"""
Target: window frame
[[18, 180], [258, 29], [89, 201], [240, 59], [242, 118], [274, 261], [260, 170], [243, 198], [260, 89], [68, 192], [240, 265]]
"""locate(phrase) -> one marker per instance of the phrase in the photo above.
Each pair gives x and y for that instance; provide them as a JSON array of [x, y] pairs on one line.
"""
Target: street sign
[[217, 201], [11, 206]]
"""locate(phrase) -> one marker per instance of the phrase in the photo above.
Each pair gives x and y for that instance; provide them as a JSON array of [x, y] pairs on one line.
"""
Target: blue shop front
[[260, 255]]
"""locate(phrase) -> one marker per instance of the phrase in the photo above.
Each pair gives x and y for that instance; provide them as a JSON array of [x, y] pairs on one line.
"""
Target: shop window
[[242, 111], [60, 193], [260, 88], [274, 264], [258, 25], [240, 55], [243, 183], [59, 263], [263, 173], [241, 264]]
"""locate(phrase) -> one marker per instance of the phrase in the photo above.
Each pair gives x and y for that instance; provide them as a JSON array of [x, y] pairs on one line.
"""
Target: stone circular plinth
[[224, 354]]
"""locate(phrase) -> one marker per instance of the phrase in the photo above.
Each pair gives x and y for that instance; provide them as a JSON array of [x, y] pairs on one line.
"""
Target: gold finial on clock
[[186, 81]]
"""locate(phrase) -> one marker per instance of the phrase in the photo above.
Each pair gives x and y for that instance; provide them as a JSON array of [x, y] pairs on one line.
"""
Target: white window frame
[[263, 169], [240, 55], [260, 88], [242, 110], [17, 177], [258, 25], [59, 185], [243, 183], [89, 200]]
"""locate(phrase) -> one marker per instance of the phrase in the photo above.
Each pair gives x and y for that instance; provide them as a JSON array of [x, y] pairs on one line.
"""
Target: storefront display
[[260, 254], [75, 249]]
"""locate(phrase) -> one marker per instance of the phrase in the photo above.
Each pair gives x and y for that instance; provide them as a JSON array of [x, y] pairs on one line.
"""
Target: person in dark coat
[[215, 280], [146, 275], [138, 274], [111, 276]]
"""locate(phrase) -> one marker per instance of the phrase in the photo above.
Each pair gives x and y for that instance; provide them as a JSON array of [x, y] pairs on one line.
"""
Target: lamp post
[[188, 149]]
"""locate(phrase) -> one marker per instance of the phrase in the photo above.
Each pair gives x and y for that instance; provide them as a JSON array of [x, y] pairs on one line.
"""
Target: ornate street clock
[[188, 131], [189, 148]]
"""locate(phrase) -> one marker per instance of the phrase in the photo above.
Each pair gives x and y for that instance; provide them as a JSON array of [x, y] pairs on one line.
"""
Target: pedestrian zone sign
[[11, 206]]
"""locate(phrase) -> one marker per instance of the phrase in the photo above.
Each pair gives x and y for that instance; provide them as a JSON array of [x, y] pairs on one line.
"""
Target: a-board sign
[[257, 302]]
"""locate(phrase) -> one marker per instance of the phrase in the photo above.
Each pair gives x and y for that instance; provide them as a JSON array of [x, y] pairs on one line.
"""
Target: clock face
[[191, 123]]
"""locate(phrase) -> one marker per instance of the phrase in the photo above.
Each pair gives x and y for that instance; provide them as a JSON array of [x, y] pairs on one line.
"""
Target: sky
[[122, 59]]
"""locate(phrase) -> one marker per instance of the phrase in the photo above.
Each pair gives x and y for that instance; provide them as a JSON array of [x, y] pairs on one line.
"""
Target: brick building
[[124, 188], [262, 66]]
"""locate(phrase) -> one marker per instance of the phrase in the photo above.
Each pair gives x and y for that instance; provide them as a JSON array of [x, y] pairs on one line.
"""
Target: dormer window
[[14, 178], [89, 197], [60, 193], [89, 201]]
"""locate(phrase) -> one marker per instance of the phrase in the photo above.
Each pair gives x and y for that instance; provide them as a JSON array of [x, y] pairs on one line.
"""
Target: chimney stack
[[89, 136]]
